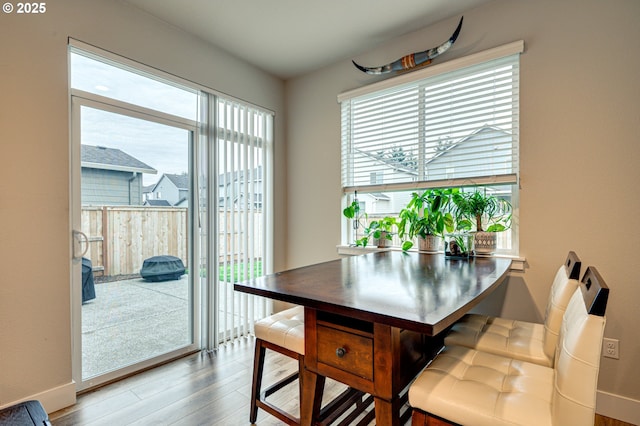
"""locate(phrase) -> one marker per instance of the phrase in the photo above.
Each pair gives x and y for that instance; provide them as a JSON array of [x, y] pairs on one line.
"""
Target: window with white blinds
[[456, 128], [450, 125]]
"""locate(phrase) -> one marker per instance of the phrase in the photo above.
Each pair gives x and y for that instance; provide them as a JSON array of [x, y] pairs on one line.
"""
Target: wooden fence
[[122, 237]]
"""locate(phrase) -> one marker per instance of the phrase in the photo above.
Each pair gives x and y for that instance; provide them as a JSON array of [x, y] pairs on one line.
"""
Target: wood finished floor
[[200, 389]]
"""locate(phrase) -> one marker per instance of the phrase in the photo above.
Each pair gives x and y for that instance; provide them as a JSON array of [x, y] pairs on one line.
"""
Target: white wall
[[35, 319], [579, 151]]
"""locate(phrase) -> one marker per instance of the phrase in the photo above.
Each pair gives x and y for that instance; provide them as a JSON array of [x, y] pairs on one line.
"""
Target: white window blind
[[453, 128], [243, 141]]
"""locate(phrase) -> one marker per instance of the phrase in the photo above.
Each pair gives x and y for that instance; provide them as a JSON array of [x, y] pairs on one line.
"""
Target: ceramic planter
[[383, 241], [485, 242], [429, 244]]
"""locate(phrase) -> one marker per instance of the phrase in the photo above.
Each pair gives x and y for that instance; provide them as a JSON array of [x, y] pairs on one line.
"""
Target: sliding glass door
[[134, 202], [172, 202]]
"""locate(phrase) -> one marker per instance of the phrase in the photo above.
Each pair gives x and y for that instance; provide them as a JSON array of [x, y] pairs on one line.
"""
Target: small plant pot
[[383, 242], [485, 242], [458, 246], [429, 244]]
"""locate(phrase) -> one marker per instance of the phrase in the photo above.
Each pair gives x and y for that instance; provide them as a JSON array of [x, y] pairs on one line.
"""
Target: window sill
[[517, 263]]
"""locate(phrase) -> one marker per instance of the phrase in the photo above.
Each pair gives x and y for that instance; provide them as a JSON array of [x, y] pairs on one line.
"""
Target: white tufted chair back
[[559, 296], [577, 357], [564, 285]]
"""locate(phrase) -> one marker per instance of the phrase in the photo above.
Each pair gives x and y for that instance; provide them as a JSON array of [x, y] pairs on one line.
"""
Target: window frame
[[350, 187]]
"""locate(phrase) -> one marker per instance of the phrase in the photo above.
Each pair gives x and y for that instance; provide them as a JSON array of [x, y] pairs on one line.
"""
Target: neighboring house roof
[[100, 157], [474, 136], [412, 168], [158, 203], [181, 181], [380, 196], [409, 169]]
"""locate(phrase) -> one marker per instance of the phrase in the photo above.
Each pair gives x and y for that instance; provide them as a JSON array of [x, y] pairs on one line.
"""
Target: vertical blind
[[454, 128], [242, 142]]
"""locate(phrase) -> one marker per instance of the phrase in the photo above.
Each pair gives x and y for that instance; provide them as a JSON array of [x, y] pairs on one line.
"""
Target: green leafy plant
[[458, 245], [479, 209], [382, 228], [379, 228], [353, 212], [426, 214]]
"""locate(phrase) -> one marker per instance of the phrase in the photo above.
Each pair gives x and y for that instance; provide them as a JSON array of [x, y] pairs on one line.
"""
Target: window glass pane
[[468, 124], [116, 82], [375, 206], [163, 148], [124, 160], [458, 125]]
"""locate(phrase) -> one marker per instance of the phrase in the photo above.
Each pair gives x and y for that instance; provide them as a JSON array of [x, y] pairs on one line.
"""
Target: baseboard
[[53, 399], [618, 407]]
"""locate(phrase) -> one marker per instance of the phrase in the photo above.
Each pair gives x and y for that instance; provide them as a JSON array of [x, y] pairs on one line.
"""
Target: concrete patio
[[132, 320]]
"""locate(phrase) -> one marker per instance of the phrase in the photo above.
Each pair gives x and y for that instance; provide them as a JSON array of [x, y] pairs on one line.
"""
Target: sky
[[163, 147]]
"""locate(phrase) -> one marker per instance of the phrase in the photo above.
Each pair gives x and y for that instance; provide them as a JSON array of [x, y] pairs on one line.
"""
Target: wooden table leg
[[387, 412], [312, 390]]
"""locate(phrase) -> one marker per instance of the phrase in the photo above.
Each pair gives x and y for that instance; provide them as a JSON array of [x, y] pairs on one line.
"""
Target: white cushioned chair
[[282, 332], [523, 340], [471, 387]]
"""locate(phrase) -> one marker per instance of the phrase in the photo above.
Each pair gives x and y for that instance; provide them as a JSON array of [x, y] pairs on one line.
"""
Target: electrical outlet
[[610, 348]]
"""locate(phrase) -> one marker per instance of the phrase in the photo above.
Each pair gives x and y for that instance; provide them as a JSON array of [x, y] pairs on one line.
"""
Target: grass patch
[[236, 272]]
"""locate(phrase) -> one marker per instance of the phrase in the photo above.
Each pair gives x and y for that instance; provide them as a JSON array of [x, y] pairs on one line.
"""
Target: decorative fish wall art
[[415, 59]]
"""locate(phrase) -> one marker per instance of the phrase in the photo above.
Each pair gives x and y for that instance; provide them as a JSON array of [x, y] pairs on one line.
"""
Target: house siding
[[113, 188], [166, 190]]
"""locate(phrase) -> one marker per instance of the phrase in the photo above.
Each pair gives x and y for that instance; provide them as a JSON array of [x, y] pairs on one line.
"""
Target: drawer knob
[[341, 352]]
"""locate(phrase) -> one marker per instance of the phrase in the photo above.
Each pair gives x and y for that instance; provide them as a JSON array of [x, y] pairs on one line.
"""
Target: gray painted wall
[[579, 151], [35, 302]]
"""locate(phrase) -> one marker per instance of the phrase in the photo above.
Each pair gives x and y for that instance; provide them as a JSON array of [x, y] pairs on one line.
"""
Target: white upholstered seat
[[282, 332], [472, 387], [285, 329], [475, 388], [522, 340]]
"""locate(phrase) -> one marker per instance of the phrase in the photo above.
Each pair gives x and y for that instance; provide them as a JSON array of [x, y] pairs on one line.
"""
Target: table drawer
[[347, 351]]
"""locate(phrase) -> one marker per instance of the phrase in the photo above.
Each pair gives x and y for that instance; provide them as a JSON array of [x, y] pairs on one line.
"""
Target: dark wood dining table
[[374, 321]]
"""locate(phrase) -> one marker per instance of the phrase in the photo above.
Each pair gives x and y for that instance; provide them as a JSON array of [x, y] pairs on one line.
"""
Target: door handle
[[79, 238]]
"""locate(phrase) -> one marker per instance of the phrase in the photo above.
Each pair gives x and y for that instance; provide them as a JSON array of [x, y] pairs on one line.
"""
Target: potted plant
[[486, 213], [352, 211], [458, 245], [381, 230], [426, 217]]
